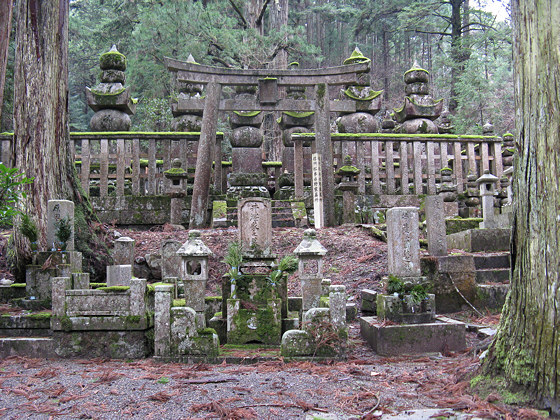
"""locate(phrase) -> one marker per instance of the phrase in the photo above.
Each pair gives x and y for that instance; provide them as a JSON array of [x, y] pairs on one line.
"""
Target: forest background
[[466, 49]]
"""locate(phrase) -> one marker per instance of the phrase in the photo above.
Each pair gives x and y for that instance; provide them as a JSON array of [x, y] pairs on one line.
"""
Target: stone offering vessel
[[110, 100]]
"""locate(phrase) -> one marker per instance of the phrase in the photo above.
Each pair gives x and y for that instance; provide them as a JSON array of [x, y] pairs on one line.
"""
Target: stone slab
[[403, 247], [37, 347], [435, 225], [391, 340], [477, 240], [106, 344]]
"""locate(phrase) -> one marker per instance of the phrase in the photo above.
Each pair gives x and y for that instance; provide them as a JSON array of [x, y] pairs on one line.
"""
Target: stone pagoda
[[419, 111], [110, 100]]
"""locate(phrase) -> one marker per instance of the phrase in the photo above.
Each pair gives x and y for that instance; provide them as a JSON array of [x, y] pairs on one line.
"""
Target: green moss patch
[[114, 288], [179, 303], [18, 285]]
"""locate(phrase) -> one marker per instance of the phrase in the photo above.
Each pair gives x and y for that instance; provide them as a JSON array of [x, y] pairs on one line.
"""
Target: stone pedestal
[[123, 252]]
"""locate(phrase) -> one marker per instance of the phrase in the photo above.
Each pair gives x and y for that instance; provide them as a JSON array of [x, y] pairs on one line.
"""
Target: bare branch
[[240, 14], [261, 14]]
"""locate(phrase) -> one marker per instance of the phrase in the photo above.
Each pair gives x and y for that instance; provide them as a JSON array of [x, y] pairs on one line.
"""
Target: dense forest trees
[[466, 50], [525, 355]]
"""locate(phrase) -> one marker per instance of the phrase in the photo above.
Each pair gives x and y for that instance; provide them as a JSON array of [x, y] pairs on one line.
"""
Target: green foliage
[[163, 380], [153, 114], [28, 228], [394, 285], [11, 193], [64, 229], [288, 264], [418, 293], [233, 258]]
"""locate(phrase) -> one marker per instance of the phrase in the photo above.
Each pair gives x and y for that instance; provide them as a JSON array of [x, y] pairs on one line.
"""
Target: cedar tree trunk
[[526, 351], [6, 6], [41, 136]]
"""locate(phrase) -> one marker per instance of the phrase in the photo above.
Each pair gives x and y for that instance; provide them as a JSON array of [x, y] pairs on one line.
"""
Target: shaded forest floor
[[366, 386]]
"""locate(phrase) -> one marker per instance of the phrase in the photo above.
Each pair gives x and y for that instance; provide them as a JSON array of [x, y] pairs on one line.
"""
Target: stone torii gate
[[268, 81]]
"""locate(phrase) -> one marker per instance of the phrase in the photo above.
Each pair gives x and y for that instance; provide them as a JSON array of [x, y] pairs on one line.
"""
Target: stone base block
[[39, 347], [477, 240], [10, 292], [444, 334], [492, 296], [106, 344]]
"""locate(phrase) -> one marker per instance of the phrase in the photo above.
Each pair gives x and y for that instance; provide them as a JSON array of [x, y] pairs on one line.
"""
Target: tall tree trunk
[[41, 136], [527, 347], [459, 52], [5, 28]]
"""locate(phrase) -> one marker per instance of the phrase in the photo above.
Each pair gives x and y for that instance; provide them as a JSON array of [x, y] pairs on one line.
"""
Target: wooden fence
[[133, 163], [410, 164]]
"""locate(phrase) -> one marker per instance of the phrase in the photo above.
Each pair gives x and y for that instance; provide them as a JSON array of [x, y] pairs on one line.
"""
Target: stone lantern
[[349, 187], [487, 185], [176, 190], [194, 272], [310, 270]]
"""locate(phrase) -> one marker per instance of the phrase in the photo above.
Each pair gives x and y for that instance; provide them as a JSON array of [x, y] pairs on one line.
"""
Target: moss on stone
[[272, 164], [114, 288], [294, 114], [207, 331], [17, 285], [39, 316], [175, 171], [97, 285], [179, 303], [112, 60], [247, 113], [372, 95]]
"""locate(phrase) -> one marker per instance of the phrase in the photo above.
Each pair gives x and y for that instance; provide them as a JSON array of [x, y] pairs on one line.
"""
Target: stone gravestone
[[435, 225], [170, 260], [255, 226], [403, 242], [123, 251], [317, 191], [58, 210]]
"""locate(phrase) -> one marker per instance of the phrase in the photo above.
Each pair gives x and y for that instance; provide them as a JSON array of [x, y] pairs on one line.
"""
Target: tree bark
[[526, 349], [41, 135], [5, 28]]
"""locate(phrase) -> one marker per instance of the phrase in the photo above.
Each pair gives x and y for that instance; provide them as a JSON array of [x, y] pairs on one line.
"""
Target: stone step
[[41, 347], [485, 262], [498, 275], [491, 296]]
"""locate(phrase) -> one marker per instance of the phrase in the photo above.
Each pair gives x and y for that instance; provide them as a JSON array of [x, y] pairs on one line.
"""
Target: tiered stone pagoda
[[419, 111], [368, 101], [110, 100], [192, 120]]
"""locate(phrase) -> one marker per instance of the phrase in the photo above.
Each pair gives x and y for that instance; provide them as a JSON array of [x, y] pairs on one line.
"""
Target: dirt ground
[[366, 386]]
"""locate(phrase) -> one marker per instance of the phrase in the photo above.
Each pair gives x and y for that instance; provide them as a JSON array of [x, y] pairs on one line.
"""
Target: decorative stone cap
[[356, 57], [194, 247], [310, 245], [487, 177], [124, 239]]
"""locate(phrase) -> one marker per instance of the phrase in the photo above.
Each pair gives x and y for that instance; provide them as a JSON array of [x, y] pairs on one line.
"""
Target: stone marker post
[[318, 204], [58, 210], [487, 184], [123, 251], [310, 268], [435, 225], [403, 242], [162, 320], [255, 226]]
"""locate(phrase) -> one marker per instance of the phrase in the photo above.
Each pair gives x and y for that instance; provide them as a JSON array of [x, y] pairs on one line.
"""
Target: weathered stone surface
[[403, 242], [369, 301], [105, 344], [358, 122], [80, 280], [170, 260], [187, 123], [311, 292], [263, 325], [255, 225], [435, 225], [162, 320], [112, 76], [37, 347], [123, 251], [337, 306], [419, 126], [110, 120], [58, 210], [297, 343], [476, 240], [247, 160], [38, 282], [119, 275], [491, 296], [390, 340], [249, 137]]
